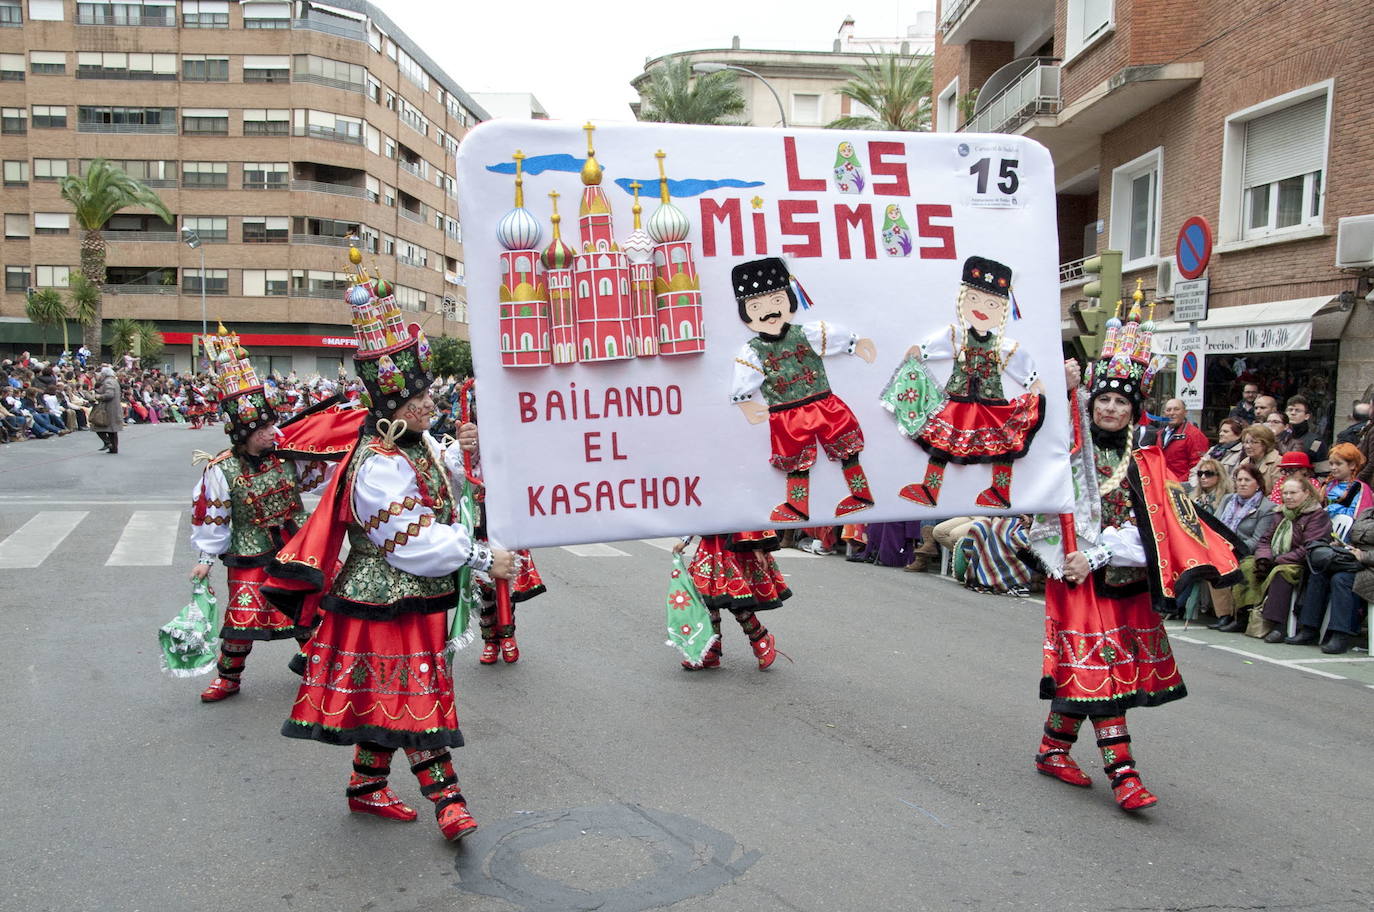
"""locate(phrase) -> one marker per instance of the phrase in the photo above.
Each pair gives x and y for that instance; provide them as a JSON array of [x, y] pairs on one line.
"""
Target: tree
[[895, 89], [45, 308], [123, 336], [150, 343], [452, 357], [674, 94], [84, 300], [95, 196]]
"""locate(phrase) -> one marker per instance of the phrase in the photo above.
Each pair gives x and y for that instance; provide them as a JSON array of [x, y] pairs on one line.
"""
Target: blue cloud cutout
[[538, 164], [691, 186]]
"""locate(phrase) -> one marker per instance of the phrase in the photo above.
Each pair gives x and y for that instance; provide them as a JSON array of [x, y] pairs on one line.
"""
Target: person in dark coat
[[107, 417], [1281, 559]]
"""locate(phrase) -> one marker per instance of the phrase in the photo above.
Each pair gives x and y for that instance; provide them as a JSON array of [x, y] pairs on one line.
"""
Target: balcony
[[137, 20], [142, 237], [993, 20], [319, 240], [339, 29], [337, 189], [1019, 91], [1071, 273], [141, 289], [329, 82], [327, 133], [167, 128], [411, 216], [329, 294], [413, 168], [411, 262]]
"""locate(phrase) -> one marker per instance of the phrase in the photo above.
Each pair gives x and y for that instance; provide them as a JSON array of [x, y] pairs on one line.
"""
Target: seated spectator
[[891, 544], [1229, 450], [1304, 436], [1359, 417], [1346, 496], [1292, 464], [1281, 560], [993, 561], [1252, 517], [855, 538], [12, 426], [1277, 422], [1338, 586], [1213, 485], [41, 424], [1261, 450]]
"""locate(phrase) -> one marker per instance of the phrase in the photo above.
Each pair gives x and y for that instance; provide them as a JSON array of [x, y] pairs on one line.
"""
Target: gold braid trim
[[750, 366], [1114, 480], [400, 538], [385, 514]]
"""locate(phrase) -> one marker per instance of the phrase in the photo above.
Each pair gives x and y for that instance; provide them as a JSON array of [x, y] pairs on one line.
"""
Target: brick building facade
[[273, 130], [1156, 112]]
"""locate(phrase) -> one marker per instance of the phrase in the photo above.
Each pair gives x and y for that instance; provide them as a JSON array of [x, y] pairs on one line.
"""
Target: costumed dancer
[[1133, 532], [737, 573], [977, 422], [784, 361], [375, 674], [245, 506], [498, 634]]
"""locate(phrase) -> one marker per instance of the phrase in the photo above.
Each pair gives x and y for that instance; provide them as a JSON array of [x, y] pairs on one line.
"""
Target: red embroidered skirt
[[381, 682], [247, 615], [972, 432], [1104, 655], [794, 433], [740, 580]]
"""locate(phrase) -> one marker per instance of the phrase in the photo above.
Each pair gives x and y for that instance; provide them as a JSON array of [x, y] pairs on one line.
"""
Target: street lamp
[[717, 67], [192, 240]]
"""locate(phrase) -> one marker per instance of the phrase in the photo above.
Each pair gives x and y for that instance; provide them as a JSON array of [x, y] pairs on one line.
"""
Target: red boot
[[454, 820], [219, 689], [382, 803], [795, 508], [491, 651], [510, 652], [1117, 762], [860, 497], [998, 494], [765, 650], [927, 493], [368, 792], [1130, 793], [233, 654], [1061, 731]]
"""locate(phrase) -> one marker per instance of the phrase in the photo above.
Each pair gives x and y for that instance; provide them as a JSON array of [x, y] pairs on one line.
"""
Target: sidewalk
[[1356, 665]]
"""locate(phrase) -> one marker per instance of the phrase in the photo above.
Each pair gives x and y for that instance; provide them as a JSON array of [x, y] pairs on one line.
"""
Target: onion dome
[[358, 295], [668, 223], [382, 288], [518, 230], [638, 246], [557, 255]]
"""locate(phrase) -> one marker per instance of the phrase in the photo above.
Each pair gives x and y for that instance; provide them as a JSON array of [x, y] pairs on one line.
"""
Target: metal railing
[[338, 189], [141, 237], [132, 289], [1035, 93], [137, 75], [330, 28], [1071, 273], [320, 240], [411, 262], [267, 128], [333, 294], [407, 166], [266, 185], [329, 82], [167, 128], [411, 216], [327, 133], [954, 14], [152, 21]]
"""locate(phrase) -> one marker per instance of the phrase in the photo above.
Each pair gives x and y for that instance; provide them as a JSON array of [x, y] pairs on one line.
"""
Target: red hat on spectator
[[1295, 460]]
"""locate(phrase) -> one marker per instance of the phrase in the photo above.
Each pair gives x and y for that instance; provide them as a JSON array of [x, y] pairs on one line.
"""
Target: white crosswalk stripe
[[149, 539], [595, 551], [32, 542]]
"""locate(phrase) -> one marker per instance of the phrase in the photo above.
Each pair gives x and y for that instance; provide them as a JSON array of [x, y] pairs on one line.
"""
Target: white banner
[[622, 395]]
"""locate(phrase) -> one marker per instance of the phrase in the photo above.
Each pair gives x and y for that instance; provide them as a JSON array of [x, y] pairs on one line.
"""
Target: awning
[[1274, 326]]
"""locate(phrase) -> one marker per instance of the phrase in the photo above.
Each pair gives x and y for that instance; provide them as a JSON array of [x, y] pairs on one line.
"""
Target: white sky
[[578, 56]]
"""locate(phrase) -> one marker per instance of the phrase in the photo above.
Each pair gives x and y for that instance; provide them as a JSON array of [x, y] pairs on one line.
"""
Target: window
[[51, 276], [453, 229], [269, 229], [52, 223], [205, 13], [1087, 20], [374, 187], [410, 298], [265, 175], [806, 109], [266, 15], [411, 117], [1274, 166], [266, 122], [47, 63], [266, 69], [92, 119], [1135, 209], [45, 11], [336, 73], [374, 90], [205, 121], [11, 67], [118, 65], [317, 284], [14, 120], [50, 116], [388, 245], [204, 175], [388, 195], [16, 173], [128, 12], [16, 224], [268, 283], [11, 16], [328, 125], [411, 69], [947, 108], [46, 169], [17, 277], [216, 280], [318, 227], [154, 173], [389, 146], [213, 229], [200, 68]]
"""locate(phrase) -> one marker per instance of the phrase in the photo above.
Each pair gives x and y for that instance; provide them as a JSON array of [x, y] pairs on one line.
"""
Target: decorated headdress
[[759, 277], [393, 360], [242, 399], [1127, 364]]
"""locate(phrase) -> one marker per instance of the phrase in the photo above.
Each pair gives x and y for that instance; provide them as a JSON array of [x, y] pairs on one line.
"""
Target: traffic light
[[1092, 317]]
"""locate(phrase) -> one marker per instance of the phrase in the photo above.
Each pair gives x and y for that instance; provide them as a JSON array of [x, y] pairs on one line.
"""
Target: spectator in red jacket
[[1183, 442]]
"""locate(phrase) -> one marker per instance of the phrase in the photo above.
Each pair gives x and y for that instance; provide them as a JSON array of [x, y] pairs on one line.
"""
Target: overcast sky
[[578, 58]]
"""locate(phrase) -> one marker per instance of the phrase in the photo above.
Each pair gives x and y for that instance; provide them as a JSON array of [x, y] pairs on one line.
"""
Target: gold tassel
[[200, 456], [389, 430]]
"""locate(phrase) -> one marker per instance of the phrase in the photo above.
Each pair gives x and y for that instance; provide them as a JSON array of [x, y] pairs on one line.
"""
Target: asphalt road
[[888, 766]]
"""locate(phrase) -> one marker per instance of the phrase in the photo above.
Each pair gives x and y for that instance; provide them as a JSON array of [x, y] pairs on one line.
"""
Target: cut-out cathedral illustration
[[606, 300]]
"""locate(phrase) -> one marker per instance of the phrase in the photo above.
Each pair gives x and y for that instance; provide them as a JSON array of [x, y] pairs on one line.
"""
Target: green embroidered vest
[[793, 371], [979, 374], [375, 587], [262, 498]]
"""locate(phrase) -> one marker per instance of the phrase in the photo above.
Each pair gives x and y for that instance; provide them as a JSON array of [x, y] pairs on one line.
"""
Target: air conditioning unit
[[1355, 242], [1164, 279]]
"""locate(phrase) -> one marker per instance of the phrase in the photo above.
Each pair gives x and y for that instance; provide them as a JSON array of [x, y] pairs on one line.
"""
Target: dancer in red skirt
[[245, 506], [737, 573], [375, 673], [978, 423]]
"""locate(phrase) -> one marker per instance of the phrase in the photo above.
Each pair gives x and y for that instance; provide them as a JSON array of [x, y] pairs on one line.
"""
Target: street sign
[[1190, 301], [1193, 248], [1192, 369]]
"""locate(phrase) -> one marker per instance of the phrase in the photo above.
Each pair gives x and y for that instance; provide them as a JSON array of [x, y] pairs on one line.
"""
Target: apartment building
[[272, 130], [1157, 112]]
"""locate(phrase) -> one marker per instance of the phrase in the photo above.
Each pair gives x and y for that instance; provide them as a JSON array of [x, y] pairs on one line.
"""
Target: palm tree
[[895, 89], [123, 335], [674, 94], [83, 297], [45, 308], [150, 342], [96, 196]]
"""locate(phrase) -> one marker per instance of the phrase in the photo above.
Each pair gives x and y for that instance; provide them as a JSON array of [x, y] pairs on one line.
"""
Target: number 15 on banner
[[995, 178]]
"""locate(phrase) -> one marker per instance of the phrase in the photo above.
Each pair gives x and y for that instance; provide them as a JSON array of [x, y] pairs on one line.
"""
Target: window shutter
[[1286, 143], [252, 62], [60, 220], [254, 282], [48, 57]]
